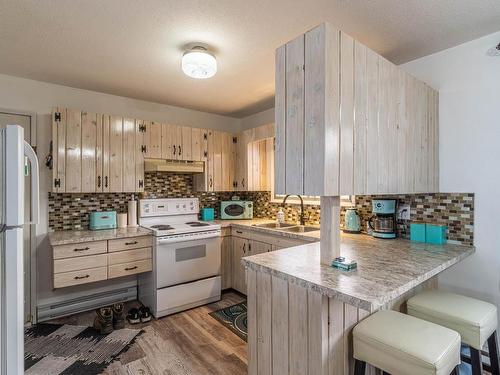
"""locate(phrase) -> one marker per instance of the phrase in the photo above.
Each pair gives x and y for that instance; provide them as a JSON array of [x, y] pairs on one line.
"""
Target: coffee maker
[[383, 220]]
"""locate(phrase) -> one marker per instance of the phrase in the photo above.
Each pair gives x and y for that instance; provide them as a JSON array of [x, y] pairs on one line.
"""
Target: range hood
[[179, 166]]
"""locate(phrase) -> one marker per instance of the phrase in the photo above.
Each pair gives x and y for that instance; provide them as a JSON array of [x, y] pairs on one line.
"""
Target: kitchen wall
[[468, 80], [39, 97]]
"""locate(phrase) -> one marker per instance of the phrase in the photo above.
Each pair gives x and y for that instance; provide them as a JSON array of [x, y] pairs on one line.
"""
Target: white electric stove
[[186, 256]]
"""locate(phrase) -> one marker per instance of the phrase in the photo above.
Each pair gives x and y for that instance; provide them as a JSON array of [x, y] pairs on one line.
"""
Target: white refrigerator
[[17, 159]]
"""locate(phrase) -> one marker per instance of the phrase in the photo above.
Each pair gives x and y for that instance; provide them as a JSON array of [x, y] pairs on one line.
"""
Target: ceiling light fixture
[[199, 63]]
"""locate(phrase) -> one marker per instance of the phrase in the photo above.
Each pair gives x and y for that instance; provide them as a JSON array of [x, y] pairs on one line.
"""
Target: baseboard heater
[[85, 303]]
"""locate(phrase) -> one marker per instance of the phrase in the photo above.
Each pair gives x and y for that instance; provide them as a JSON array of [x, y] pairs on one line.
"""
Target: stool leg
[[359, 367], [493, 352], [476, 362]]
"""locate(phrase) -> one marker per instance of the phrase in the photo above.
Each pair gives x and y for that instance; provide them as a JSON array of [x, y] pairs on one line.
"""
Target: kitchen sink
[[274, 225], [299, 229]]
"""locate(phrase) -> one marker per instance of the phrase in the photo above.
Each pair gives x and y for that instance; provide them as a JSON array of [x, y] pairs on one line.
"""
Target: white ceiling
[[133, 48]]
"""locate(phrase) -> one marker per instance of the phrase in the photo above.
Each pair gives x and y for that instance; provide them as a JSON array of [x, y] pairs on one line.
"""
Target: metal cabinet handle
[[106, 181], [180, 150], [244, 248], [239, 232], [174, 149], [130, 268], [211, 182], [242, 182], [82, 249], [131, 243], [98, 181], [81, 277], [249, 247]]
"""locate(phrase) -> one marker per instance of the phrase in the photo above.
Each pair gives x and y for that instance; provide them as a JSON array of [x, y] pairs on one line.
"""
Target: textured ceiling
[[133, 48]]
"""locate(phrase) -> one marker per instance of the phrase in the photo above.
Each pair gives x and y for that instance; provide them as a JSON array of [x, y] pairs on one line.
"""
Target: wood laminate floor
[[187, 343]]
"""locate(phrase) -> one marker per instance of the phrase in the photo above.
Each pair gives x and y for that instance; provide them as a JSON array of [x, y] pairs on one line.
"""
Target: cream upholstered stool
[[475, 320], [404, 345]]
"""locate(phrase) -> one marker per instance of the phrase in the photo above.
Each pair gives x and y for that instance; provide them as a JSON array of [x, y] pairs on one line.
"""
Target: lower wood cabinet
[[87, 262], [243, 243]]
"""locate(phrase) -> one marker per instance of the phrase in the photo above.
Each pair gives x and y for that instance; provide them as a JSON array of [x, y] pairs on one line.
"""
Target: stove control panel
[[168, 207]]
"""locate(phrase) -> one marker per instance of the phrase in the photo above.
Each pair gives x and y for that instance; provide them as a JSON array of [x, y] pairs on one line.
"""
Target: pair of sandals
[[140, 315]]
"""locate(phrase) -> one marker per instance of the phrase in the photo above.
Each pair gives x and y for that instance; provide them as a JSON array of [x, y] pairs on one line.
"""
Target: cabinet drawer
[[80, 263], [131, 268], [128, 256], [79, 249], [129, 243], [80, 277], [242, 233]]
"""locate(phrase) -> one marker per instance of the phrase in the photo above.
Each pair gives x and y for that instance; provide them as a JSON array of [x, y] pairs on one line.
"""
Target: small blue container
[[435, 234], [207, 214], [418, 232]]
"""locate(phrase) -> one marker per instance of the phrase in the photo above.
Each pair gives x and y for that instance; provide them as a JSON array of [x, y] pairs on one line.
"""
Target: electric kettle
[[352, 222]]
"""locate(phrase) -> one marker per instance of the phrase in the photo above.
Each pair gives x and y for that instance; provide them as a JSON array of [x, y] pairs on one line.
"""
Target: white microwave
[[236, 210]]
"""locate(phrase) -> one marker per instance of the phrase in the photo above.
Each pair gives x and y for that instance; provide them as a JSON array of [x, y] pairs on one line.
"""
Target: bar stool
[[400, 344], [475, 320]]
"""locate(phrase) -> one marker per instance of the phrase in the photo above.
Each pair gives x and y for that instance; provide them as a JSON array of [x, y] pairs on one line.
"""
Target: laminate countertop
[[252, 224], [386, 268], [64, 237]]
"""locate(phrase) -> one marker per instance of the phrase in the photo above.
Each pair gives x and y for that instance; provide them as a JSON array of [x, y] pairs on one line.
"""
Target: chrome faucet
[[301, 217]]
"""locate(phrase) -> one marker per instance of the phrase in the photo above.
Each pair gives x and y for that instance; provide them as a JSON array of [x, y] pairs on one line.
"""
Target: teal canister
[[352, 222]]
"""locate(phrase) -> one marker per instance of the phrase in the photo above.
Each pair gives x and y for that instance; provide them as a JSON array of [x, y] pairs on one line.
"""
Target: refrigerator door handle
[[35, 182]]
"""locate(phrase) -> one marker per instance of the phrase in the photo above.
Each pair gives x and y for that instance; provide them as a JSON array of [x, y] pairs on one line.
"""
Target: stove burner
[[197, 224], [162, 227]]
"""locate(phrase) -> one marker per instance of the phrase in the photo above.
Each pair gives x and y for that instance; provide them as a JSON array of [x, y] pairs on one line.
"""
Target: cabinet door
[[227, 160], [99, 154], [139, 156], [129, 154], [217, 160], [226, 262], [89, 147], [153, 139], [115, 154], [240, 247], [185, 147], [196, 137], [257, 247], [241, 180], [59, 149], [201, 180], [73, 151]]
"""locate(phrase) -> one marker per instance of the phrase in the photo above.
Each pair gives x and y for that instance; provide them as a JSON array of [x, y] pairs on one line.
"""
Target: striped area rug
[[67, 349]]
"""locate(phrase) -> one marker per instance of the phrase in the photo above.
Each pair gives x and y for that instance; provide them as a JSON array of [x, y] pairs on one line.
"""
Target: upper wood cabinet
[[350, 122], [254, 169], [219, 153], [96, 153]]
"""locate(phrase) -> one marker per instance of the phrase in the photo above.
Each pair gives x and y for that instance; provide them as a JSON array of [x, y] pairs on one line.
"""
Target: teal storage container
[[102, 220], [207, 214], [418, 232], [435, 234]]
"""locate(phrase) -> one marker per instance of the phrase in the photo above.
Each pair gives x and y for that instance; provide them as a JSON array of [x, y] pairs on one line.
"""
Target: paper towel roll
[[132, 213]]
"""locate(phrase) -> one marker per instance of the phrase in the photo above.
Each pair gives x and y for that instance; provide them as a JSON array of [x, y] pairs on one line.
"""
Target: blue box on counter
[[102, 220], [417, 232], [207, 214], [435, 234]]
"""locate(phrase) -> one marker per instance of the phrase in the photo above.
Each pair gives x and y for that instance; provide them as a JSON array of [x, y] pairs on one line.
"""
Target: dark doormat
[[68, 349], [235, 318]]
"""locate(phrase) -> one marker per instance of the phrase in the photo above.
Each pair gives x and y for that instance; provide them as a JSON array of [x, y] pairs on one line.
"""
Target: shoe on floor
[[145, 314], [133, 316], [104, 320], [118, 316]]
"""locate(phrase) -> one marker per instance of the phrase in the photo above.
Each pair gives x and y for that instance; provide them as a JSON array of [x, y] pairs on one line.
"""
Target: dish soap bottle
[[280, 216]]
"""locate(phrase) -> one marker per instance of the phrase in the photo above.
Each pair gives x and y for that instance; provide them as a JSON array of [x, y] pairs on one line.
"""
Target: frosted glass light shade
[[199, 63]]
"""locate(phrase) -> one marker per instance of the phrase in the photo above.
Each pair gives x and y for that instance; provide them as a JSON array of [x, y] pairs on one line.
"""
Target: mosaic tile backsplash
[[71, 211]]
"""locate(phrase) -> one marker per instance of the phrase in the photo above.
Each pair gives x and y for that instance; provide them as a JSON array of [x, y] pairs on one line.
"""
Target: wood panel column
[[330, 229]]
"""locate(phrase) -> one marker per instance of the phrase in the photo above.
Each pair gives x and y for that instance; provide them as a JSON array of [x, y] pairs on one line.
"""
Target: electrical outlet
[[403, 212]]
